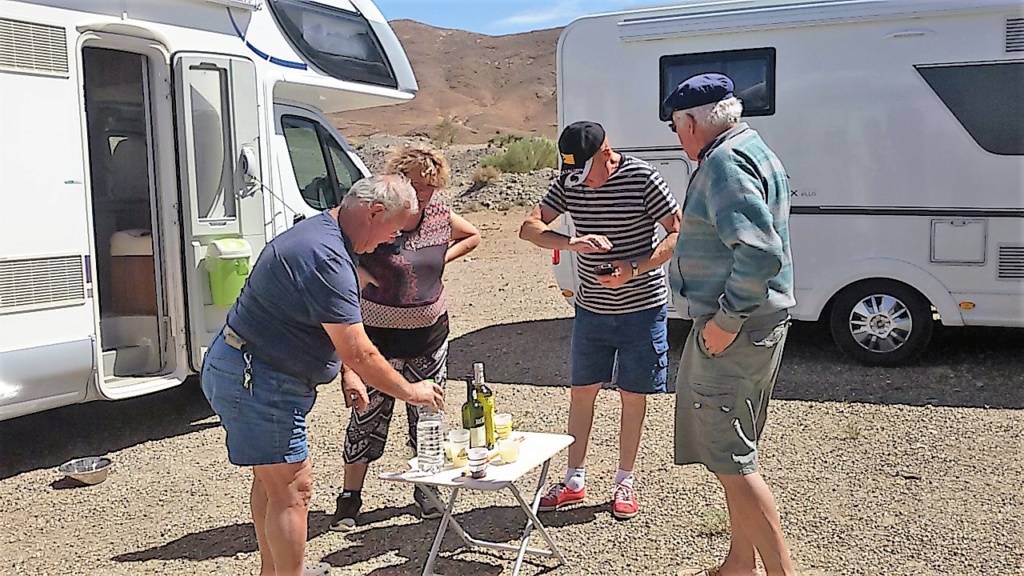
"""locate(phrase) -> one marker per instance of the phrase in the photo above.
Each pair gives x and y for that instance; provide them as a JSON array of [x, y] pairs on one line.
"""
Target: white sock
[[575, 478], [624, 477]]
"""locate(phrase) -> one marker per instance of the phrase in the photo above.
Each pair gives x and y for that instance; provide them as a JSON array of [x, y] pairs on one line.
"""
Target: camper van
[[900, 123], [149, 149]]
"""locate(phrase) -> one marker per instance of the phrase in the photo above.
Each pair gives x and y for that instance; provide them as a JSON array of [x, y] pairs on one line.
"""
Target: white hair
[[394, 191], [715, 115]]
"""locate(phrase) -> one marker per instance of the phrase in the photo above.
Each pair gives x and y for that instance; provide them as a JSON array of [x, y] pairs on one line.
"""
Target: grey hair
[[716, 114], [394, 191]]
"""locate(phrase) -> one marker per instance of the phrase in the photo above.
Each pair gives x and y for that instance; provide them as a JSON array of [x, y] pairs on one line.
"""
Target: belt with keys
[[231, 338]]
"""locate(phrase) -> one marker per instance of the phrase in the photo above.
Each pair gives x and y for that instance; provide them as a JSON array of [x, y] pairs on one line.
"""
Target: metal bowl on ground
[[89, 470]]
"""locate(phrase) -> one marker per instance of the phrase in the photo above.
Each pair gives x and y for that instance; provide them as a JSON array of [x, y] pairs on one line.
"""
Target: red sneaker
[[561, 495], [625, 504]]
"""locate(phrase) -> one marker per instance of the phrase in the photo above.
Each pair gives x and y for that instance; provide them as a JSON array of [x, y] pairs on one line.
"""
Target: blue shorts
[[628, 350], [266, 422]]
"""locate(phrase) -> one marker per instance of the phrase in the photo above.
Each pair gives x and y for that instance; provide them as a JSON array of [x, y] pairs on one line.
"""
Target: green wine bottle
[[473, 417], [486, 397]]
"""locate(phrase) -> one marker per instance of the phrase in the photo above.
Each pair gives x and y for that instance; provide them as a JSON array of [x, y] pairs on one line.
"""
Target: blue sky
[[500, 16]]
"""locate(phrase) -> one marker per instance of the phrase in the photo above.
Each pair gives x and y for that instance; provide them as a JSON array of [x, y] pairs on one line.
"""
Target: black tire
[[881, 322]]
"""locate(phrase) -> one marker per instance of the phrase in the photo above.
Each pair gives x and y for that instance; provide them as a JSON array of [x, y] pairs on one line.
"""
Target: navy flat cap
[[697, 91]]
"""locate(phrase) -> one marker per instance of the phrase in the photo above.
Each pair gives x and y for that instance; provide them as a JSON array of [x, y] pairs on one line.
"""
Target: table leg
[[476, 542], [454, 523], [531, 514], [428, 569]]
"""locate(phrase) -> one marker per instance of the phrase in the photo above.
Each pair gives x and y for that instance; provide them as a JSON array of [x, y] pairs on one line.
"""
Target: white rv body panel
[[146, 130], [888, 182]]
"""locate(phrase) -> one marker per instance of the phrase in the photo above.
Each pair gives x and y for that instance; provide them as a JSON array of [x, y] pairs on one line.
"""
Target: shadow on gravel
[[48, 439], [966, 367], [413, 541], [222, 542]]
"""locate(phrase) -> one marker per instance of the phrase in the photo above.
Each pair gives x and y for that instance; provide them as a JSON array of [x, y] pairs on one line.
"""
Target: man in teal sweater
[[732, 273]]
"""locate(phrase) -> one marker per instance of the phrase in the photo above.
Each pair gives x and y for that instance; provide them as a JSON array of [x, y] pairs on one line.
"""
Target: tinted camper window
[[987, 99], [322, 183], [753, 72], [338, 42]]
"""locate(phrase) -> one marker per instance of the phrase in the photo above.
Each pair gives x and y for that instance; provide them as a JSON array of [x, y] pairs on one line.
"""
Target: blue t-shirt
[[304, 278]]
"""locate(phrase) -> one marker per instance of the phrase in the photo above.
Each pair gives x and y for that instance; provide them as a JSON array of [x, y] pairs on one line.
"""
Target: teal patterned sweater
[[732, 258]]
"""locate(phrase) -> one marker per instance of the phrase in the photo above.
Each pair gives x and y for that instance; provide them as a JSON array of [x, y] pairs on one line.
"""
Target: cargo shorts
[[722, 401]]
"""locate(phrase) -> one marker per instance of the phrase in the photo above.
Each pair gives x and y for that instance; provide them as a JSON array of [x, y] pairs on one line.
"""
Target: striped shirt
[[625, 210]]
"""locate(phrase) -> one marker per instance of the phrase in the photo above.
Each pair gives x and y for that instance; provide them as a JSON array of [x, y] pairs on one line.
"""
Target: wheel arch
[[819, 302]]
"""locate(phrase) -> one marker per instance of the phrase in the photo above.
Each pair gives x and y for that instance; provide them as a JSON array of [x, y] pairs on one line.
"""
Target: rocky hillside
[[473, 86]]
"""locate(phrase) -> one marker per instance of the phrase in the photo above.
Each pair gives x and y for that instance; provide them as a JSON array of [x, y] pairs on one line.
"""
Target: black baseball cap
[[578, 144]]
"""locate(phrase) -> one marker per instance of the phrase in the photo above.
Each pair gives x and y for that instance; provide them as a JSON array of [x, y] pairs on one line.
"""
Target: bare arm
[[465, 238], [354, 389], [362, 357], [663, 251], [623, 272], [535, 229]]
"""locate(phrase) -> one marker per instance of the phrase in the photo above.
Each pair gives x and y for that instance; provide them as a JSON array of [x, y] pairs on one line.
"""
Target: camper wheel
[[881, 322]]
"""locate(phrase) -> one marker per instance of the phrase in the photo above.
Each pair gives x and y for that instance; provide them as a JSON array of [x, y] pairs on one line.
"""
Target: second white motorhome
[[901, 124], [150, 149]]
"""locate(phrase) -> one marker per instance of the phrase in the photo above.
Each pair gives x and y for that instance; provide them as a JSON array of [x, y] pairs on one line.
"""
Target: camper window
[[321, 183], [752, 71], [987, 99], [338, 42]]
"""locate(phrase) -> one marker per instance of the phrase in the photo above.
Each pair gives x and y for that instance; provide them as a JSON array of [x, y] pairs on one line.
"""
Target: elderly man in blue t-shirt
[[294, 325]]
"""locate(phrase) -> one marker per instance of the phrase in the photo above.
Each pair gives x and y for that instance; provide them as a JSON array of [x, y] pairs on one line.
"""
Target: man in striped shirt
[[619, 334]]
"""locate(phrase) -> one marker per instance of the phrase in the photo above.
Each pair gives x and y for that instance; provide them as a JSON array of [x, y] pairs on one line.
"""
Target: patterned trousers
[[367, 433]]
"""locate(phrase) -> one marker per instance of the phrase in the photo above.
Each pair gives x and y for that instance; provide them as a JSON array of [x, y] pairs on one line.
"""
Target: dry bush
[[485, 175], [525, 155], [503, 140], [445, 133]]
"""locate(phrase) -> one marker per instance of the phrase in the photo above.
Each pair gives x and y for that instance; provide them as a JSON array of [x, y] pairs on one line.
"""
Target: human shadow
[[220, 542], [48, 439], [413, 541], [962, 366], [535, 352]]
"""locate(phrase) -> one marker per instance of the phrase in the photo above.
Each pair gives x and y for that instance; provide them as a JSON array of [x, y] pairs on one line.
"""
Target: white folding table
[[536, 449]]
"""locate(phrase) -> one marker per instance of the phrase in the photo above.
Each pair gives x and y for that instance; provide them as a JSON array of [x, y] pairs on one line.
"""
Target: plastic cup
[[459, 439], [503, 425], [508, 449], [477, 462]]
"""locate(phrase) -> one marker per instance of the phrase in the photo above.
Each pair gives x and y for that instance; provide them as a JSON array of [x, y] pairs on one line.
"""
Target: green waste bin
[[227, 261]]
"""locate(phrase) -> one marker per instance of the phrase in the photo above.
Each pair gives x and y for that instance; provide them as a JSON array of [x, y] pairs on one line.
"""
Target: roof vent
[[1015, 35], [33, 48]]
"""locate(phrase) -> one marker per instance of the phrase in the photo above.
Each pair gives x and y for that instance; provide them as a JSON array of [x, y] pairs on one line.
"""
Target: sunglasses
[[672, 124]]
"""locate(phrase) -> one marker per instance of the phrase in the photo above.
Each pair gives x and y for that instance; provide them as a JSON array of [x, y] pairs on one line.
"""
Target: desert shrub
[[445, 133], [525, 155], [503, 140], [486, 175]]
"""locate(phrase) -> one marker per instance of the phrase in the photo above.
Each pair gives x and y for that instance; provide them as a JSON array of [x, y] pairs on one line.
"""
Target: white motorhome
[[901, 124], [148, 150]]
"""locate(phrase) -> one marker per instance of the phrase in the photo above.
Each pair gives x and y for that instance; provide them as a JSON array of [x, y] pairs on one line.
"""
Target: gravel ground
[[876, 471]]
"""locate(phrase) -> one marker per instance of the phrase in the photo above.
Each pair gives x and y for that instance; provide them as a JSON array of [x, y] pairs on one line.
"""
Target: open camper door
[[221, 205]]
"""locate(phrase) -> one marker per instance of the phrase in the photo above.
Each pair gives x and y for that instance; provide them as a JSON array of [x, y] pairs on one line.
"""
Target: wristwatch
[[636, 267]]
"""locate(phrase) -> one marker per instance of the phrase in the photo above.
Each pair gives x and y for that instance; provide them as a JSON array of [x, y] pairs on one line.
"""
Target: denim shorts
[[628, 350], [266, 421]]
